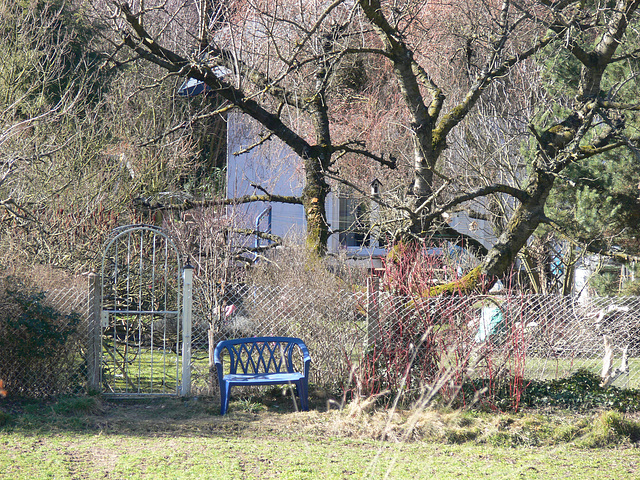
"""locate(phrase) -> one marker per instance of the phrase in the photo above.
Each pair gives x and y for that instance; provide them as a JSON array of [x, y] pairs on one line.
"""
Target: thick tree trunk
[[314, 197], [317, 163], [521, 226]]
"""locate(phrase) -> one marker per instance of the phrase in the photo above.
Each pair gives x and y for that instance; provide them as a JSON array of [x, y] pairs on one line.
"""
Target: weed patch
[[609, 429]]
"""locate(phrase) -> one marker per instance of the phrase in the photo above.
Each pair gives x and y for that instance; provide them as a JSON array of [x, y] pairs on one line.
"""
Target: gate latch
[[104, 319]]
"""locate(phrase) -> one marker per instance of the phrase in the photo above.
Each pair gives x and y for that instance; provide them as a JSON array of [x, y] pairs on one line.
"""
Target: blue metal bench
[[262, 361]]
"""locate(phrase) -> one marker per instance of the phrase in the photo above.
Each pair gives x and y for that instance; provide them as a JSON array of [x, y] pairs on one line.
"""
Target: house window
[[354, 222]]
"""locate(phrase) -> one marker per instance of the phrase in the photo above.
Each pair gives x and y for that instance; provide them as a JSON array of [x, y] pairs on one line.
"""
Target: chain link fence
[[333, 326], [537, 337], [44, 341]]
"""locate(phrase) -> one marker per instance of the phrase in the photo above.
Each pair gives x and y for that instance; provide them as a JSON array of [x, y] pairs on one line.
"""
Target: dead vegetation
[[275, 417]]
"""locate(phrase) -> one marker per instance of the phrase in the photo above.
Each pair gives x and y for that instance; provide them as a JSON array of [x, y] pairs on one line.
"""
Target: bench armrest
[[306, 358]]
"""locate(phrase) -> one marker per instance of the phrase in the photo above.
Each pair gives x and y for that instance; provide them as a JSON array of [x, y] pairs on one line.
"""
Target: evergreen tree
[[597, 199]]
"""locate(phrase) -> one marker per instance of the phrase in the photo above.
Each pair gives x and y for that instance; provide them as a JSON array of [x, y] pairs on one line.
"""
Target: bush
[[580, 392], [35, 338], [424, 341]]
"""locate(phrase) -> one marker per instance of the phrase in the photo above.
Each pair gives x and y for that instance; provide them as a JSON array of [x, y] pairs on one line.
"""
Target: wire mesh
[[537, 336], [332, 326], [43, 347]]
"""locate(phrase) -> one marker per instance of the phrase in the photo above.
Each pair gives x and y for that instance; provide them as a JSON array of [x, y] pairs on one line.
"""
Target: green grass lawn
[[545, 369], [72, 455], [172, 438]]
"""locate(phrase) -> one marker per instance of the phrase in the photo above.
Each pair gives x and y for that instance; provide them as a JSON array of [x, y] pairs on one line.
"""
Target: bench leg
[[303, 394], [225, 390]]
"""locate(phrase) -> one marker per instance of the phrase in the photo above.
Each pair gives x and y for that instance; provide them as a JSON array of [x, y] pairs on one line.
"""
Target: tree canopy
[[70, 129], [306, 71], [519, 114]]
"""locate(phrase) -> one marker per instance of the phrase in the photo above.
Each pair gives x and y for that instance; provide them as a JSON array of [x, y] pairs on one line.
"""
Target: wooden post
[[373, 312], [187, 302], [94, 350]]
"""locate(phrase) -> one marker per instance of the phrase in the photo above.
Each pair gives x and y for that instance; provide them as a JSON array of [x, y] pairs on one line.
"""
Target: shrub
[[425, 343], [580, 392], [5, 418], [34, 338]]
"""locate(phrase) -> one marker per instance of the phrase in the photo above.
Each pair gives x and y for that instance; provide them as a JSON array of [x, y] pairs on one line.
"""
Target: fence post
[[187, 303], [94, 352], [373, 313]]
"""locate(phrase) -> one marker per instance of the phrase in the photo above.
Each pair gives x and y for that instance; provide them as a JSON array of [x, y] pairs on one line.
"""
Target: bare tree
[[69, 128], [291, 66], [44, 82]]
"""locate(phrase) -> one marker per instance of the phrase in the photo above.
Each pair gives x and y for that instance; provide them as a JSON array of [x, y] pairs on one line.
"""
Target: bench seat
[[263, 379]]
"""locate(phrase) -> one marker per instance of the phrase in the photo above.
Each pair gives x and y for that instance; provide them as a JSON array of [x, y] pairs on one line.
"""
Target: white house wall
[[279, 171], [274, 167], [480, 230]]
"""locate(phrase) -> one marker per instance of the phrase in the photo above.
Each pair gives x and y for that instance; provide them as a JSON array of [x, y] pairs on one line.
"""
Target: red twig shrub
[[424, 345]]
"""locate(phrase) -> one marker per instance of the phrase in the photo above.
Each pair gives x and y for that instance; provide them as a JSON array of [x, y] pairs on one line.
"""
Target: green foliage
[[600, 201], [631, 289], [35, 339], [38, 330], [605, 284], [579, 392], [608, 280], [596, 198]]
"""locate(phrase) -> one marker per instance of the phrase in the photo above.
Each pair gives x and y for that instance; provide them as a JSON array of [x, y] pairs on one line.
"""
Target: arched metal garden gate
[[146, 329]]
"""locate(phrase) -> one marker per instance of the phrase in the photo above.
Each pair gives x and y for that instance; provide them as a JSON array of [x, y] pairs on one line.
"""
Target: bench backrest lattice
[[267, 357], [262, 361]]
